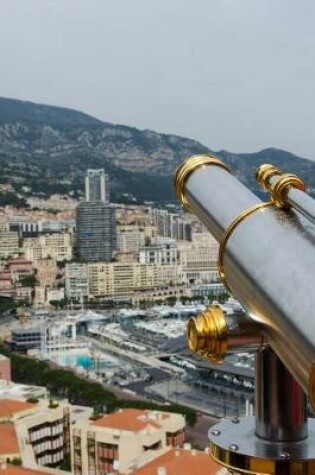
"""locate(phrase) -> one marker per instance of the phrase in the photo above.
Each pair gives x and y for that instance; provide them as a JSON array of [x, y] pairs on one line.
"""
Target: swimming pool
[[86, 361]]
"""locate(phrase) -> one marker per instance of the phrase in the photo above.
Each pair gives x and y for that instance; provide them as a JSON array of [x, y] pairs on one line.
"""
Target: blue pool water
[[86, 361]]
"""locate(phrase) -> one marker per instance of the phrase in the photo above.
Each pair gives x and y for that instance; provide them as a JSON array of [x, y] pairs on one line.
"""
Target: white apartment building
[[76, 280], [39, 432], [161, 254], [199, 261], [120, 442], [56, 246], [130, 239], [170, 225], [122, 279], [9, 241], [55, 294], [9, 244]]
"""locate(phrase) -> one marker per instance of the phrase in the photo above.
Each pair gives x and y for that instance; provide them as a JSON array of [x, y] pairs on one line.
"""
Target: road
[[198, 435], [140, 358]]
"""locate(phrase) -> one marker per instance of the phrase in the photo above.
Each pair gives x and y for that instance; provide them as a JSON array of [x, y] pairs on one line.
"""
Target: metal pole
[[281, 405]]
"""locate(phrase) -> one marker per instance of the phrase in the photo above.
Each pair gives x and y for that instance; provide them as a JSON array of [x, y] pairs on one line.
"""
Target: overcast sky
[[235, 74]]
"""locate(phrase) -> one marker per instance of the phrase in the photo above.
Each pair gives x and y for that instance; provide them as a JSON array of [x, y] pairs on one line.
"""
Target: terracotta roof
[[13, 470], [19, 262], [133, 420], [8, 440], [183, 462], [9, 407]]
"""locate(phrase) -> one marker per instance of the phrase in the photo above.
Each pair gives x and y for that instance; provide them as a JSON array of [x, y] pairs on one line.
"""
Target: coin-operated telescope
[[267, 260]]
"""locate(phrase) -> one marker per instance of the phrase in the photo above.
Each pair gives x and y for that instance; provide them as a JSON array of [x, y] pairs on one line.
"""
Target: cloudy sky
[[235, 74]]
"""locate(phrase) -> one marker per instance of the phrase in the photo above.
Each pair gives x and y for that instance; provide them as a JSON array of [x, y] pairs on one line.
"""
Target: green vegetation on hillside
[[46, 150]]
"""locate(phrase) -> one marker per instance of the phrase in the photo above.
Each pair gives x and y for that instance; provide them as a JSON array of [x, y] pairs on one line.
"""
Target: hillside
[[49, 148]]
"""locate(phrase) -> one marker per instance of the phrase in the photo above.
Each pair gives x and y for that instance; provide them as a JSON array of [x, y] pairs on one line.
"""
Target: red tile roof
[[13, 470], [133, 420], [9, 407], [8, 440], [181, 462]]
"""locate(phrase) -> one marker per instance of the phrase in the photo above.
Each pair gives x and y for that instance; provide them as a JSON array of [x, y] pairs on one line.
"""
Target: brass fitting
[[280, 190], [264, 173], [187, 167], [207, 334], [212, 334], [278, 184]]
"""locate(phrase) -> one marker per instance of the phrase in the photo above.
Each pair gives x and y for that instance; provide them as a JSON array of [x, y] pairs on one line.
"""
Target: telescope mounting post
[[280, 404]]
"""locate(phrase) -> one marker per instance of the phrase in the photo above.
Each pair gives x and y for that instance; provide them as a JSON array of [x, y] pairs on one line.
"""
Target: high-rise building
[[96, 186], [95, 231]]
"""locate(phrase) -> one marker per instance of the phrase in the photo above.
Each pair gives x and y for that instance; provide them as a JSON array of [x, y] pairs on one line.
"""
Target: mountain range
[[46, 149]]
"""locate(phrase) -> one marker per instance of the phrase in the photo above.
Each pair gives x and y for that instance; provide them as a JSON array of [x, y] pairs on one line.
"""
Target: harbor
[[140, 351]]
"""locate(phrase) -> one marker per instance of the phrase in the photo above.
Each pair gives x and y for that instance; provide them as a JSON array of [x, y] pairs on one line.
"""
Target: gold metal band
[[280, 190], [187, 167], [241, 217], [251, 465], [259, 464], [264, 173]]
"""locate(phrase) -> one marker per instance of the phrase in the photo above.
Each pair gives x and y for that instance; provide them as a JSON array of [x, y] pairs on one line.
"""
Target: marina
[[142, 351]]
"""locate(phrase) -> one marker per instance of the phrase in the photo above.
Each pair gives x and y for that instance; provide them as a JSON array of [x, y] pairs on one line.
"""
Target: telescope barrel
[[268, 260], [303, 203]]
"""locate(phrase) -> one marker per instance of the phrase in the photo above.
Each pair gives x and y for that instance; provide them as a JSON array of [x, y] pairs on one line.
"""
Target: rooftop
[[8, 440], [183, 462], [10, 390], [20, 262], [14, 470], [9, 407], [133, 420]]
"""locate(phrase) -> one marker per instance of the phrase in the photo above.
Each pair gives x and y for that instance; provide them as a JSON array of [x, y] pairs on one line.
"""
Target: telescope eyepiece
[[213, 334], [207, 334]]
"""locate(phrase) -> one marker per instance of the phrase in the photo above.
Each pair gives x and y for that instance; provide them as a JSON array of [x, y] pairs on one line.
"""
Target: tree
[[171, 300], [29, 281], [59, 303]]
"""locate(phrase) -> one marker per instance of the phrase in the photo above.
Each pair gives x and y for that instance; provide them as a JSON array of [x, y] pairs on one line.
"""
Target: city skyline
[[234, 75]]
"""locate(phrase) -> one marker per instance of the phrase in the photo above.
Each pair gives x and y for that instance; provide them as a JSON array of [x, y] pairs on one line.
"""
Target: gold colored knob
[[278, 183], [207, 334], [264, 173], [281, 188]]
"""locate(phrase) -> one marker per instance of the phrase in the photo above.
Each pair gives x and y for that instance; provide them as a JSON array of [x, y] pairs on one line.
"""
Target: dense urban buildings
[[94, 255], [116, 251], [37, 435]]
